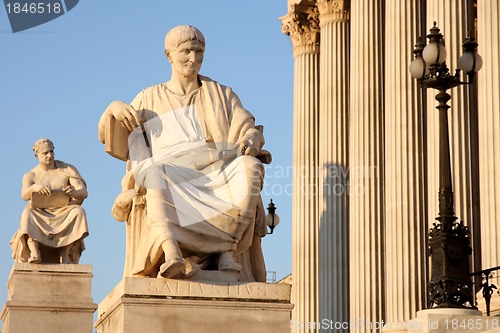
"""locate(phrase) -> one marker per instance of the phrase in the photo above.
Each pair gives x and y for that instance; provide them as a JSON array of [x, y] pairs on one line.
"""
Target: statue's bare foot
[[227, 262], [35, 257], [34, 260], [65, 260], [65, 255], [191, 266], [173, 268]]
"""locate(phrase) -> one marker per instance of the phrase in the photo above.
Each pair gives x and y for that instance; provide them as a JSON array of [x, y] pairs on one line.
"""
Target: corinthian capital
[[333, 10], [302, 25]]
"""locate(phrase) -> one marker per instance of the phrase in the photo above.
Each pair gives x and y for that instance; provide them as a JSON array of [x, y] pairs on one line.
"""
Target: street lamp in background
[[272, 219], [448, 240]]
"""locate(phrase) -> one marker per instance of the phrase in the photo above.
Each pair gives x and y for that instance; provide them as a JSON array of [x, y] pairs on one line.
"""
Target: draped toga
[[206, 207]]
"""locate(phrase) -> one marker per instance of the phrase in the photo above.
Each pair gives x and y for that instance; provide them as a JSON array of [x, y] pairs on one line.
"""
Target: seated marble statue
[[53, 224], [191, 193]]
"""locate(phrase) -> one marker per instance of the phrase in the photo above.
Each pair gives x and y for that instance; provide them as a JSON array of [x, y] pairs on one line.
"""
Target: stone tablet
[[56, 199]]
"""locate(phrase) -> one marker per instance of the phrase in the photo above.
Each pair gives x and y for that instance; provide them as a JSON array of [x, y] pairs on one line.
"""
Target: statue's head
[[41, 145], [185, 48], [182, 34]]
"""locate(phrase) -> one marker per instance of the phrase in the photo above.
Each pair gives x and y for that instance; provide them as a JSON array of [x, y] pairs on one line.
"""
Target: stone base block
[[182, 306], [48, 299], [494, 303], [446, 320]]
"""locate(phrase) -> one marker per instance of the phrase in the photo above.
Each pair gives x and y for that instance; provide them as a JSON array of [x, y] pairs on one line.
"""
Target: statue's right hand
[[125, 114], [41, 189], [124, 199]]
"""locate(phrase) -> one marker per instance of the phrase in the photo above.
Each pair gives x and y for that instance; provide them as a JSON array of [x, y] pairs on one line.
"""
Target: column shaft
[[488, 20], [366, 163], [405, 151], [333, 161], [302, 26]]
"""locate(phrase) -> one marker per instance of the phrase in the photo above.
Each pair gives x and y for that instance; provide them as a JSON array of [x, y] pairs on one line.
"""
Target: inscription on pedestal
[[151, 305], [186, 288], [202, 289]]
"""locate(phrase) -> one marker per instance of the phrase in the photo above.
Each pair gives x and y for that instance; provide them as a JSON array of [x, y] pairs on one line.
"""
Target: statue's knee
[[252, 163], [153, 178], [255, 172], [78, 210]]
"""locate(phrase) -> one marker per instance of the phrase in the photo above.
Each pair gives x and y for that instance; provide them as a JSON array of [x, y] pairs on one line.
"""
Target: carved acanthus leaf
[[302, 25], [333, 10]]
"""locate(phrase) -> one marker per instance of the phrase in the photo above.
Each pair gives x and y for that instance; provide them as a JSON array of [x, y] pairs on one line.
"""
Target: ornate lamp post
[[448, 240], [272, 219]]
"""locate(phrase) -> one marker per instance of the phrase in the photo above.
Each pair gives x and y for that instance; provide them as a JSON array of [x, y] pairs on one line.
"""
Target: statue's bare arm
[[76, 189], [124, 113], [29, 186]]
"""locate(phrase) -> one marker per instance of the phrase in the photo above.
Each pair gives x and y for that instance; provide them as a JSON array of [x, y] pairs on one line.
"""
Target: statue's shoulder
[[146, 95], [215, 86], [30, 174], [63, 165], [205, 80], [152, 89], [68, 169]]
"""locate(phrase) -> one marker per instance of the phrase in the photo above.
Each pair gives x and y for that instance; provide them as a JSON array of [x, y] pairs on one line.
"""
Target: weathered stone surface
[[158, 305], [50, 298]]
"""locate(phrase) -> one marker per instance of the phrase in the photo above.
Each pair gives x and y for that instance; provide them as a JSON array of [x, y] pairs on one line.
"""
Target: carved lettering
[[216, 290], [153, 287], [234, 288], [262, 290], [166, 288], [158, 286], [182, 288], [249, 289], [203, 288], [196, 288]]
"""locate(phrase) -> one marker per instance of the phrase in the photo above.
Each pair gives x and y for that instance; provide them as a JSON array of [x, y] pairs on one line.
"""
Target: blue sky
[[56, 80]]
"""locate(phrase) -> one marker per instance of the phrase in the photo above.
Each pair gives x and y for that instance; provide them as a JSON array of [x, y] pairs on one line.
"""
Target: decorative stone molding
[[302, 25], [333, 10]]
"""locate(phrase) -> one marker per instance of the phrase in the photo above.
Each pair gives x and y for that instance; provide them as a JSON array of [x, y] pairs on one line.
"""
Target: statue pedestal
[[494, 303], [442, 320], [167, 305], [48, 299]]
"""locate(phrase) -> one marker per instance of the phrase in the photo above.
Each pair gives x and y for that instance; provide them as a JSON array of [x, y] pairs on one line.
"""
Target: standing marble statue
[[191, 193], [53, 225]]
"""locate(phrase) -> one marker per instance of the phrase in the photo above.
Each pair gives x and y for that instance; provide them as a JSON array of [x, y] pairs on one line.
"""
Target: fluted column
[[333, 244], [488, 20], [405, 151], [301, 24], [366, 163], [454, 18]]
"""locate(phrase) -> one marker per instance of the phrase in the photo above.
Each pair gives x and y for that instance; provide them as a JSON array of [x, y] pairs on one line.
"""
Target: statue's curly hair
[[37, 145], [182, 34]]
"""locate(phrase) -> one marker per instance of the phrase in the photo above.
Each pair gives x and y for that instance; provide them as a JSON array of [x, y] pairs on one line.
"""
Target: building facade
[[366, 154]]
